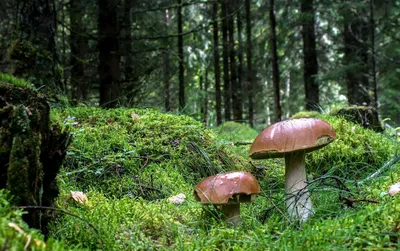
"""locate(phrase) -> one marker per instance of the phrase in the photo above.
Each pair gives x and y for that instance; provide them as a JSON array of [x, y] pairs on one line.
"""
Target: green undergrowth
[[139, 153], [129, 161], [15, 235], [355, 153], [7, 78]]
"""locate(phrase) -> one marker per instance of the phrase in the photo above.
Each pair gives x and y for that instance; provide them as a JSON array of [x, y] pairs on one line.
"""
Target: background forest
[[247, 61]]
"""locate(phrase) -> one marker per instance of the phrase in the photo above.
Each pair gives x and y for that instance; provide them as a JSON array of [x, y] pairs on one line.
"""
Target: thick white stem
[[298, 199], [231, 214]]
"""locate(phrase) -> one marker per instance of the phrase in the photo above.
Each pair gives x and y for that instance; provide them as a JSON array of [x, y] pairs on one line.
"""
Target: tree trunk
[[372, 57], [225, 57], [31, 151], [35, 48], [275, 67], [235, 88], [180, 59], [310, 62], [78, 45], [249, 57], [109, 53], [205, 99], [217, 69], [127, 49], [356, 58], [167, 70]]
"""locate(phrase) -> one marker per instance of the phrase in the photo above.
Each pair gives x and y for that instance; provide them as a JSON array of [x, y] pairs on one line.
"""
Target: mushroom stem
[[231, 214], [298, 199]]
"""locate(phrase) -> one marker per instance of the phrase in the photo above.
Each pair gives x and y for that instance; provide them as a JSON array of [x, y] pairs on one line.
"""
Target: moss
[[25, 140], [19, 82], [306, 114], [13, 239], [365, 116], [140, 152], [103, 161]]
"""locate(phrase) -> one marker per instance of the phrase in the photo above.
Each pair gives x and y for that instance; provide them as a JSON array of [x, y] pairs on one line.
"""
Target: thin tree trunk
[[235, 89], [225, 57], [128, 67], [240, 57], [78, 45], [287, 96], [310, 69], [373, 61], [109, 53], [356, 58], [180, 59], [249, 57], [167, 71], [275, 67], [205, 98], [217, 69]]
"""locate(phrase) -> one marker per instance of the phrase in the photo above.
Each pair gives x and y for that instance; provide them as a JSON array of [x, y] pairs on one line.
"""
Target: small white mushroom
[[395, 188]]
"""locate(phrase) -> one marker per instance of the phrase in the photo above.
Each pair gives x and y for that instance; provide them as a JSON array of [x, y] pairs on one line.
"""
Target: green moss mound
[[146, 221], [139, 153]]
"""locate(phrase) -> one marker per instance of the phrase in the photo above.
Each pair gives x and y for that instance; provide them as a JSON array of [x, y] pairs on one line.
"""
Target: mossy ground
[[129, 161]]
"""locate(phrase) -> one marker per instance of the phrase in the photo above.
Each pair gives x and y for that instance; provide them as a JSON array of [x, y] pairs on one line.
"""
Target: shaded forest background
[[247, 61]]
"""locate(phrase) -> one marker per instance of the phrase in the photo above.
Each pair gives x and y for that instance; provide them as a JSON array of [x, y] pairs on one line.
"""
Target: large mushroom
[[227, 191], [292, 139]]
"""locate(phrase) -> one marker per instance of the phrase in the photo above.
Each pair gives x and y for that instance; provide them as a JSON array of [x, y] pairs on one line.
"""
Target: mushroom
[[292, 139], [227, 191], [394, 189]]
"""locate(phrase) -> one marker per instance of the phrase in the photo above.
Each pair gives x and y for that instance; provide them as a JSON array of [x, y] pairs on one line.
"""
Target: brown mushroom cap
[[227, 188], [304, 134]]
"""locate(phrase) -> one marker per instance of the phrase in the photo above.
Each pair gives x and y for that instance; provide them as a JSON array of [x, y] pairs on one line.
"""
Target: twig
[[349, 202], [242, 143], [339, 182], [68, 213], [384, 168]]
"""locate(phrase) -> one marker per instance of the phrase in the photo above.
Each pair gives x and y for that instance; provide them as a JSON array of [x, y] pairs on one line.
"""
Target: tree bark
[[235, 88], [249, 57], [356, 58], [275, 66], [217, 69], [180, 59], [167, 71], [205, 99], [225, 58], [310, 63], [109, 53], [35, 48], [78, 44], [373, 54]]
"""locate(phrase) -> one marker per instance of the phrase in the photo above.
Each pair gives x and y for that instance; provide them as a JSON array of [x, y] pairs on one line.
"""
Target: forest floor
[[128, 162]]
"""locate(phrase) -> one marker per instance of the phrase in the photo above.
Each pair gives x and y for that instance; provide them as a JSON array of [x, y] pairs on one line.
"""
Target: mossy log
[[31, 151], [366, 116]]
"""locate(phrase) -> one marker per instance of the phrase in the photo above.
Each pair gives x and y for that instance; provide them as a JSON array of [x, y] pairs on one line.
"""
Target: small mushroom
[[227, 191], [394, 189], [292, 139]]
